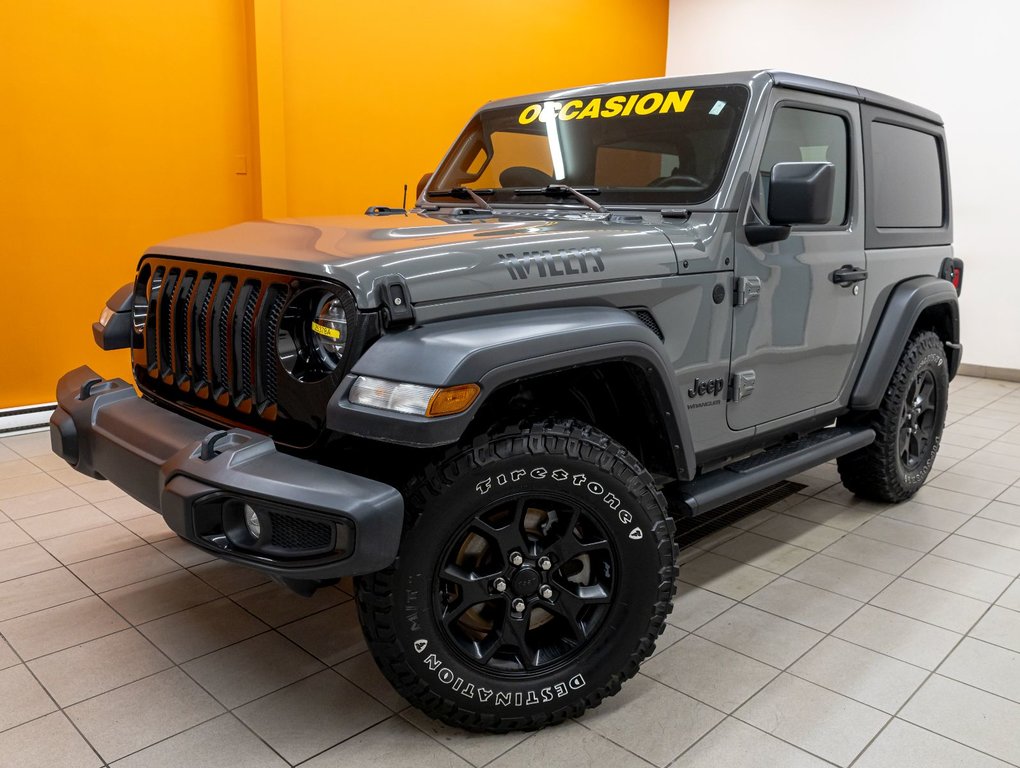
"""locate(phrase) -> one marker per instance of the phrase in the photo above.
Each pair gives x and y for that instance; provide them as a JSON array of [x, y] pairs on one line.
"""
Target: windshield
[[665, 147]]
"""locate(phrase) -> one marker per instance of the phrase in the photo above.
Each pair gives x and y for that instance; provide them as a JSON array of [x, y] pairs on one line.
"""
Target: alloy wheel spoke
[[926, 393], [570, 605], [515, 635], [507, 537], [473, 589], [569, 547]]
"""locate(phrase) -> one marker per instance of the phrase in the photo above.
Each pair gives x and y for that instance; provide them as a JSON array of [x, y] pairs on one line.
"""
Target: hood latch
[[396, 300]]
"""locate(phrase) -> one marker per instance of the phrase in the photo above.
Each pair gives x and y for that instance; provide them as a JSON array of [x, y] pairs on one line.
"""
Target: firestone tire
[[455, 645], [908, 426]]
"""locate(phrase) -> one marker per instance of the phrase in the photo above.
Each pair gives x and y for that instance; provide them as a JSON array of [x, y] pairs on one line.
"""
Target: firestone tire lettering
[[581, 481]]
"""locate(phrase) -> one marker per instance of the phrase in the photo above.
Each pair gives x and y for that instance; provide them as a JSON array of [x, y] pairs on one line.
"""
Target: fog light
[[252, 522]]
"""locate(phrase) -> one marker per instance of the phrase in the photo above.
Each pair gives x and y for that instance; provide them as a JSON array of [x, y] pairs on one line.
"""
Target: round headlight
[[313, 334], [329, 330]]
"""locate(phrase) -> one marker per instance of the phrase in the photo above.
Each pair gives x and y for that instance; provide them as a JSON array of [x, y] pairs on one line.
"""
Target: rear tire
[[535, 572], [908, 426]]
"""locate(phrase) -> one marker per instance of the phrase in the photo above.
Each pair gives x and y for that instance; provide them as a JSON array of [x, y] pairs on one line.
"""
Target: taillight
[[952, 270]]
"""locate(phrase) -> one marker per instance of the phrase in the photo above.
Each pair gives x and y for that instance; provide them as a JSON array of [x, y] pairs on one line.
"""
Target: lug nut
[[545, 592], [516, 558], [544, 563], [499, 584], [518, 605]]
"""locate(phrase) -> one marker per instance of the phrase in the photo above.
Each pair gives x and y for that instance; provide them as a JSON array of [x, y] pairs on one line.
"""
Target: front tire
[[908, 426], [535, 573]]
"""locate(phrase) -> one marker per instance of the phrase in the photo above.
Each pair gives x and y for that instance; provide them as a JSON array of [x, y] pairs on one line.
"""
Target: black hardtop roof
[[842, 90], [761, 77]]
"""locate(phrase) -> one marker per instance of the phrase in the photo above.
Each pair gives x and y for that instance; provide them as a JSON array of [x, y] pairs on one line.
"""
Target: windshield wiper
[[562, 190], [465, 193]]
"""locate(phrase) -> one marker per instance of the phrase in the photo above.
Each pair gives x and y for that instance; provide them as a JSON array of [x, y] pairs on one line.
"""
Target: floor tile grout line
[[863, 603], [193, 680], [750, 725], [932, 553], [221, 595], [578, 721], [924, 682], [175, 665], [363, 689], [859, 565], [390, 716], [825, 635], [978, 687], [890, 717], [233, 711], [529, 737], [53, 699]]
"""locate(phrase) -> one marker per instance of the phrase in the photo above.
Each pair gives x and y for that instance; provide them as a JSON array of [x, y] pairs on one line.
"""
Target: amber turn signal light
[[450, 400]]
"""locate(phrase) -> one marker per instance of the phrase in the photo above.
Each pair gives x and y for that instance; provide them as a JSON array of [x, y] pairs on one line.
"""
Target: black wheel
[[908, 426], [534, 575]]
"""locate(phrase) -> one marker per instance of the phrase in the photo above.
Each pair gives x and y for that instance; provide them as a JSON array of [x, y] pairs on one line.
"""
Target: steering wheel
[[676, 181]]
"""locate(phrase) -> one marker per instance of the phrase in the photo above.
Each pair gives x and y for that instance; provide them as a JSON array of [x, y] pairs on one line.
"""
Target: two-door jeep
[[613, 308]]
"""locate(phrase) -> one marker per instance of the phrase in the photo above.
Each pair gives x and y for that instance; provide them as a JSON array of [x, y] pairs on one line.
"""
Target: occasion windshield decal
[[612, 106]]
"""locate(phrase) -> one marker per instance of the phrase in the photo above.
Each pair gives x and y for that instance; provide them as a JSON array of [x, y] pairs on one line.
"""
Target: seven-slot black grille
[[208, 338], [207, 343], [210, 333]]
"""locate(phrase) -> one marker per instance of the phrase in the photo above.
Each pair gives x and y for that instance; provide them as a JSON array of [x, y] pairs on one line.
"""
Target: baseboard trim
[[990, 372], [25, 419]]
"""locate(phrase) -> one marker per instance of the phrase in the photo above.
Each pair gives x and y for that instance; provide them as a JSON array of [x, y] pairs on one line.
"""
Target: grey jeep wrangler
[[613, 308]]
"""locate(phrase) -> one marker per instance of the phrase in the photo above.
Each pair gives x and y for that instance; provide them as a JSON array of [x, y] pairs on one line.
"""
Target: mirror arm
[[759, 234]]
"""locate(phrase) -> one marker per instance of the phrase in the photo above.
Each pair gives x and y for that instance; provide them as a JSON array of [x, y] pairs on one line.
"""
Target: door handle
[[848, 274]]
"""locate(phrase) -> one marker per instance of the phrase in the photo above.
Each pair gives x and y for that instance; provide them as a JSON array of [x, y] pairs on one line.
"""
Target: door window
[[805, 135]]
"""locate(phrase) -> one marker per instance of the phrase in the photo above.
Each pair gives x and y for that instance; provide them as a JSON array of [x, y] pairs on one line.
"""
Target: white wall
[[961, 59]]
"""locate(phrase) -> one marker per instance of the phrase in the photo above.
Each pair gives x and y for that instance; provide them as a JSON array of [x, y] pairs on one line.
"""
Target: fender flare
[[494, 350], [902, 311]]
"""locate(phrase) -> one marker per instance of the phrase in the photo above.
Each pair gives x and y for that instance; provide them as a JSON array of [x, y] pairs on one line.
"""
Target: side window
[[907, 177], [804, 135]]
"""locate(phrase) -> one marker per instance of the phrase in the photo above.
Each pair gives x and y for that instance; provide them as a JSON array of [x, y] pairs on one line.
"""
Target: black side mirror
[[801, 193]]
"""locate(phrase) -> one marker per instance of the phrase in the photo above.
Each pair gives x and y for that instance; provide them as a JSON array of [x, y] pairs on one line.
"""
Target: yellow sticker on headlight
[[325, 330]]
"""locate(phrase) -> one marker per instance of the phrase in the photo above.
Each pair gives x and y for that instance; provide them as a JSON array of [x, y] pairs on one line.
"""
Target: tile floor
[[821, 631]]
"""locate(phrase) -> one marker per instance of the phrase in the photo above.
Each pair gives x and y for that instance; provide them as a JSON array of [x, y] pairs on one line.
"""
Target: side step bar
[[720, 486]]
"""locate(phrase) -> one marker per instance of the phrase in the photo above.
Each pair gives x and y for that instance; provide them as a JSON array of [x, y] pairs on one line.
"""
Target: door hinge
[[742, 385], [746, 289]]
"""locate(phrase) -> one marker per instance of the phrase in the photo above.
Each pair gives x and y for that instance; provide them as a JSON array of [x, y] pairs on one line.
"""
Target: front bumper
[[318, 523]]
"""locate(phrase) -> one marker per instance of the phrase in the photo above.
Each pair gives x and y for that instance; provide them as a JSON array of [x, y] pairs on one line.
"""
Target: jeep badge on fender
[[712, 387], [494, 410]]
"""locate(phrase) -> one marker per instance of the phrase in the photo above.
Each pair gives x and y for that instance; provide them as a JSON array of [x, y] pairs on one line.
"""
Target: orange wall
[[374, 94], [121, 124], [124, 122]]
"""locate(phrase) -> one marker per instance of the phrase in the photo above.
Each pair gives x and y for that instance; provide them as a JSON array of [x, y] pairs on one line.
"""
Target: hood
[[441, 257]]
